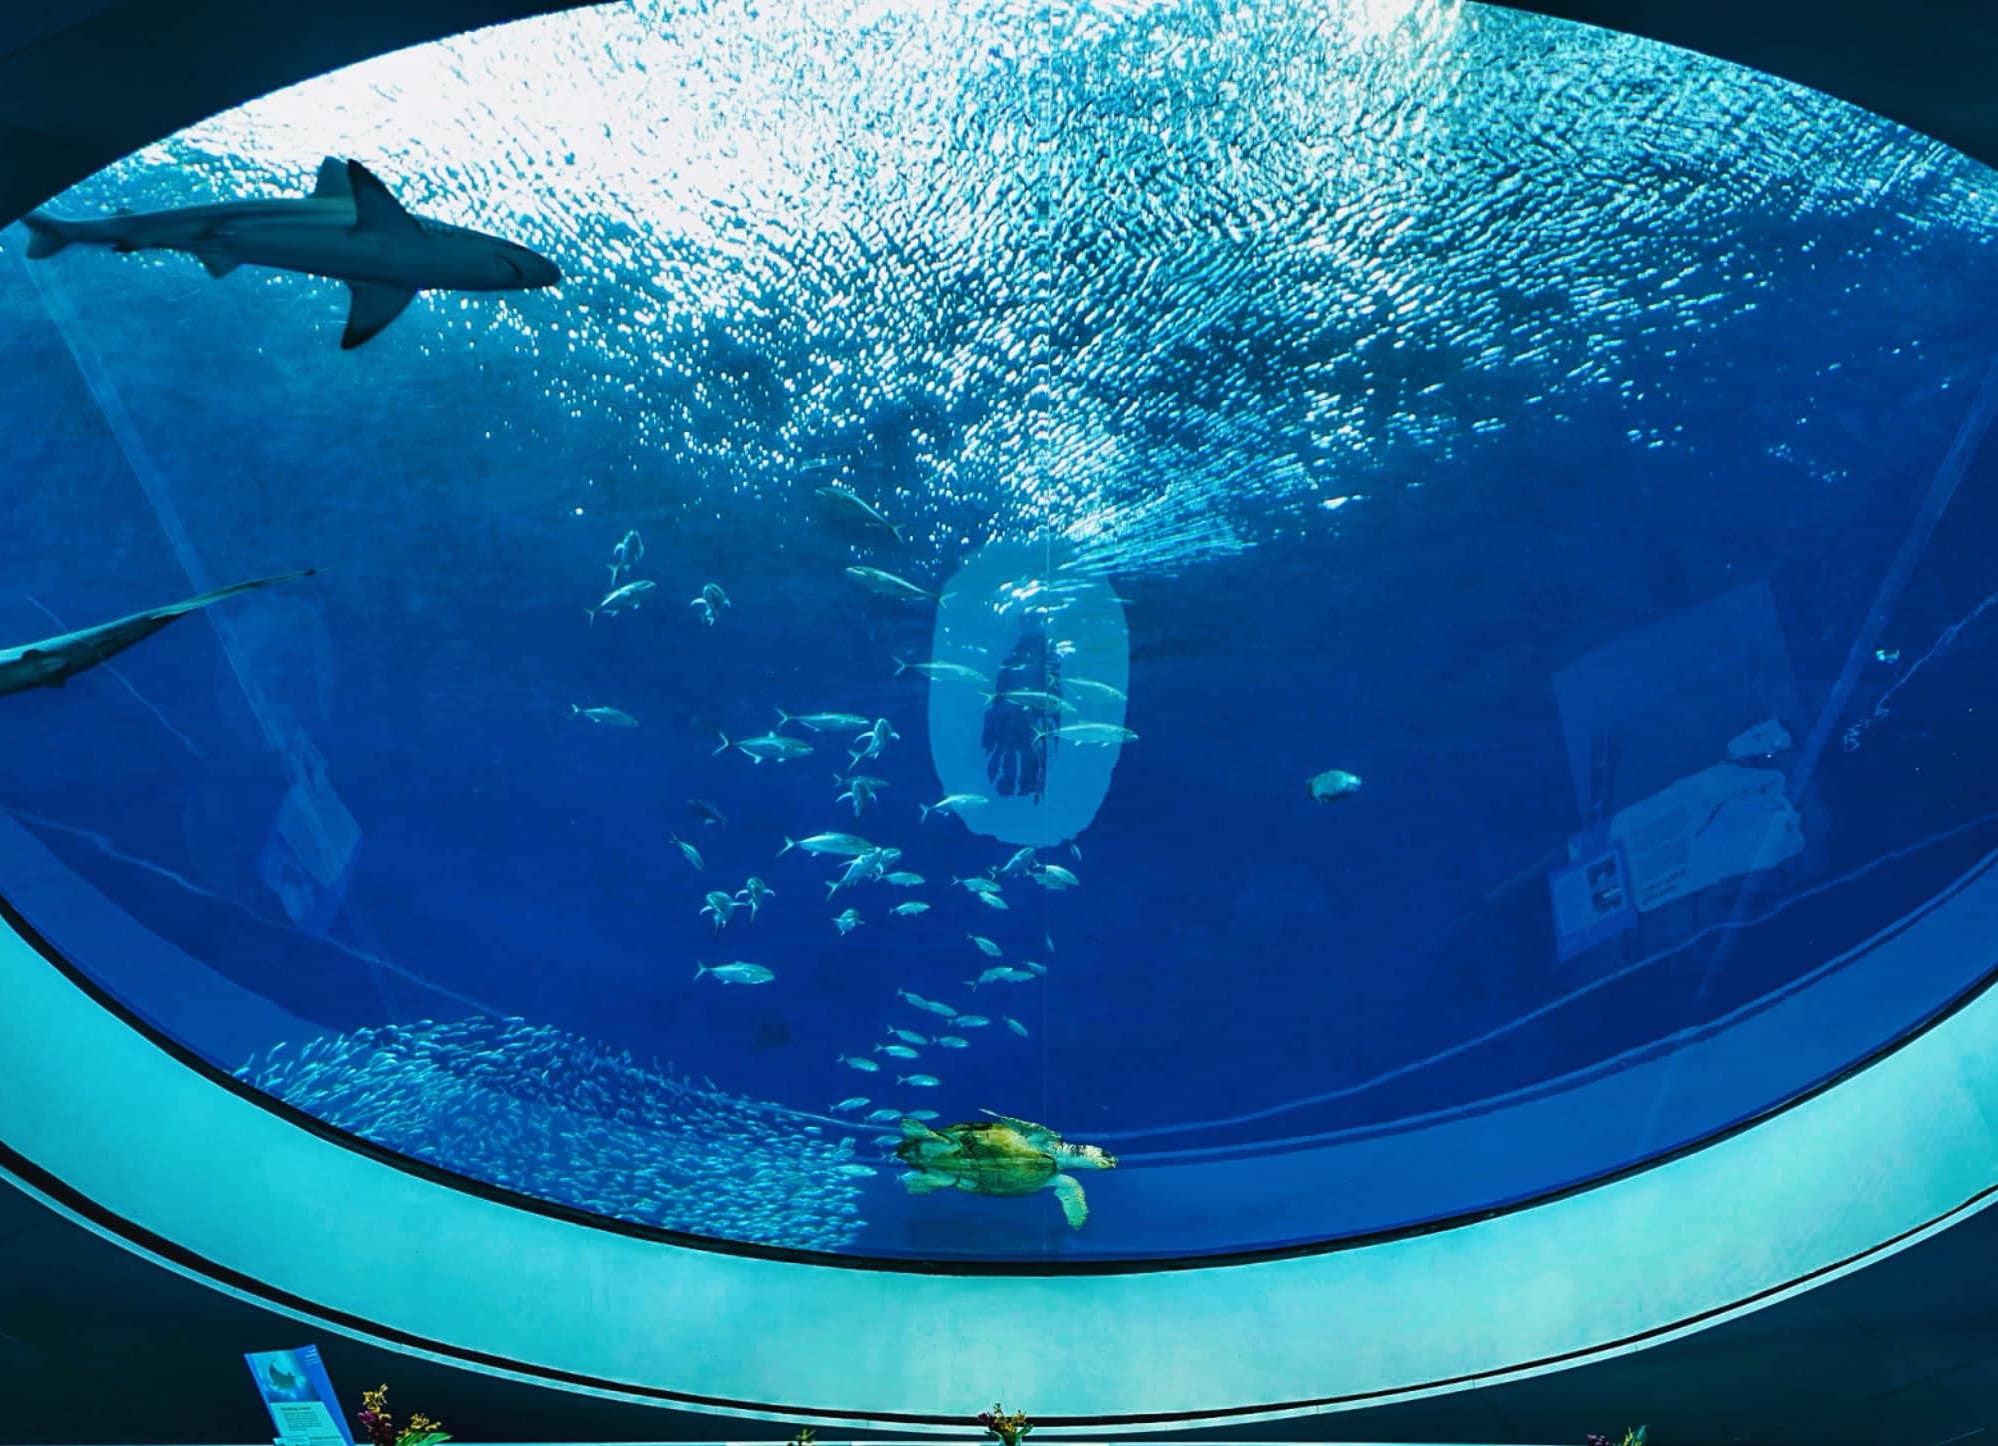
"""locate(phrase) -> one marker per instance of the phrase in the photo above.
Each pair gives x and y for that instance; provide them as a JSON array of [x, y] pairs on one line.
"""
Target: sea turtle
[[998, 1156]]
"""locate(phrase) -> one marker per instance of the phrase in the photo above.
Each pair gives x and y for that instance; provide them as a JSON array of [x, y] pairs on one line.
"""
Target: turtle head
[[1089, 1157]]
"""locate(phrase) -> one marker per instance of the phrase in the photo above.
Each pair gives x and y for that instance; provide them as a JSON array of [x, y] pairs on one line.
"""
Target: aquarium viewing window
[[933, 638]]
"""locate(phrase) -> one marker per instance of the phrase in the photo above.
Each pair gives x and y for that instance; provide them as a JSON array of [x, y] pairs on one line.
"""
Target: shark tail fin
[[46, 235], [726, 745], [191, 604], [926, 811]]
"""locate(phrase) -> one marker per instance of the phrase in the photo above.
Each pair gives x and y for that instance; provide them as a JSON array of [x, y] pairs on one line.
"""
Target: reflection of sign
[[1592, 902], [299, 1397], [1027, 684], [1716, 824]]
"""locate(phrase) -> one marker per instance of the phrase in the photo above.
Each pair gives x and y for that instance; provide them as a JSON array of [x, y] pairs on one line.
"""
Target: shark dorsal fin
[[332, 184], [375, 305], [374, 208]]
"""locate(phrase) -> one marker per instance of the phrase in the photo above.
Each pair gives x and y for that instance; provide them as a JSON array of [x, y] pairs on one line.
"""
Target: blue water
[[1382, 387]]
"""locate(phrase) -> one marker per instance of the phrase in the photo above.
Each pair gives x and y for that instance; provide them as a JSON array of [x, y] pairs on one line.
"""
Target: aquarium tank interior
[[1009, 639]]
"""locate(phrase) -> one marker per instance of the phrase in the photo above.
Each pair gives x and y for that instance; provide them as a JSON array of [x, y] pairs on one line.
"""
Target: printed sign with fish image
[[1027, 677]]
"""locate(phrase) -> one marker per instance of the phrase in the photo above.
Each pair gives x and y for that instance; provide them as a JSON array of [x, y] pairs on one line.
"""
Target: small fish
[[873, 741], [957, 672], [971, 1021], [903, 879], [1090, 685], [847, 922], [706, 812], [887, 1142], [692, 854], [752, 894], [863, 870], [985, 946], [1889, 656], [908, 1036], [883, 1116], [1019, 863], [977, 884], [855, 506], [860, 1062], [856, 1171], [860, 791], [1015, 1025], [1029, 964], [1000, 974], [822, 722], [931, 1006], [721, 906], [620, 598], [737, 973], [626, 555], [840, 845], [953, 1041], [1032, 700], [704, 610], [851, 1103], [991, 899], [770, 745], [910, 910], [1099, 735], [889, 585], [615, 717], [898, 1051], [923, 1115], [920, 1081], [1333, 784], [954, 803], [1054, 876], [714, 597]]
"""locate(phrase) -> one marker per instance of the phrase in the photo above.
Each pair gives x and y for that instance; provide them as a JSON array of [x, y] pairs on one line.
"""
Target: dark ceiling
[[84, 82]]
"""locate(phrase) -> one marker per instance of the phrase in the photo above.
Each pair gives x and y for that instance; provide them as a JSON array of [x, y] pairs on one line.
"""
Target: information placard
[[299, 1397]]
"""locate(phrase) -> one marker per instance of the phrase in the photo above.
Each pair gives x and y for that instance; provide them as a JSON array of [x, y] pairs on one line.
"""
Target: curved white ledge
[[143, 1148]]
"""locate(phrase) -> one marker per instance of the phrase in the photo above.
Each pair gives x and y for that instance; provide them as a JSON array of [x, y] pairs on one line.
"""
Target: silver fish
[[626, 555], [1090, 685], [1020, 862], [992, 899], [770, 745], [1015, 1025], [985, 946], [615, 717], [971, 1021], [953, 1041], [847, 922], [1000, 974], [692, 854], [714, 597], [851, 1102], [883, 1116], [841, 845], [1029, 964], [908, 1036], [902, 879], [954, 803], [855, 1170], [898, 1051], [854, 505], [859, 1062], [889, 585], [822, 722], [1054, 876], [721, 907], [920, 1081], [1333, 784], [737, 973], [620, 598], [1099, 735], [924, 1115], [910, 910], [977, 884], [860, 791], [957, 672]]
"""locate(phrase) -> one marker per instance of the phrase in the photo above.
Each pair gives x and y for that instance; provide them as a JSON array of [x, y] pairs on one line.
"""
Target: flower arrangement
[[380, 1425], [804, 1437], [1009, 1429], [1633, 1437]]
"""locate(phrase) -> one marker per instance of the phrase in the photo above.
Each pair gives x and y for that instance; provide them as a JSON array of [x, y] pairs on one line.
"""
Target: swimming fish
[[737, 973], [619, 598], [902, 879], [860, 1062], [855, 506], [920, 1081], [1015, 1025], [714, 597], [1054, 876], [770, 745], [977, 884], [822, 722], [721, 906], [924, 1115], [897, 1051], [1035, 968], [953, 1041], [908, 1036], [1000, 974], [753, 892], [1090, 685], [615, 717], [932, 1006], [991, 898], [882, 1116], [705, 811], [873, 741], [851, 1102], [847, 922], [1099, 735], [626, 555], [692, 854], [860, 791], [845, 845], [971, 1021], [1333, 784], [910, 910], [954, 803], [957, 672], [985, 946], [704, 610], [889, 585], [1020, 862], [1033, 700], [855, 1170]]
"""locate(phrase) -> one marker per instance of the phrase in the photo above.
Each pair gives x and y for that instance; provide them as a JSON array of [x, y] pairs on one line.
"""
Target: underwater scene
[[1011, 635]]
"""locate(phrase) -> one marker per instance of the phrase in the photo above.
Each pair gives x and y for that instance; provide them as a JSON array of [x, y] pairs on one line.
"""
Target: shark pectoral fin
[[375, 209], [219, 266], [374, 307], [332, 182], [35, 656]]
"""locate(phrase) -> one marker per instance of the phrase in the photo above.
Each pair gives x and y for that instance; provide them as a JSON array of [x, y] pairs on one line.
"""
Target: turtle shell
[[983, 1157]]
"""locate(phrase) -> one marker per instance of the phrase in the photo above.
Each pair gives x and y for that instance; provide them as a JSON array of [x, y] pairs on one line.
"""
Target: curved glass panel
[[1523, 490]]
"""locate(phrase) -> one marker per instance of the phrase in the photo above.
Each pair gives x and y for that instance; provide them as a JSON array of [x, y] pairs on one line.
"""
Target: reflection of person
[[1016, 743]]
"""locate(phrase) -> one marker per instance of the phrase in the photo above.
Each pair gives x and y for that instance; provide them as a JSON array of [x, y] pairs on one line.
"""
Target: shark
[[54, 661], [350, 228]]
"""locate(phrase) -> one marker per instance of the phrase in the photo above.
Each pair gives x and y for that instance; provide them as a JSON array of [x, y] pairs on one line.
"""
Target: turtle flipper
[[1074, 1208], [923, 1183]]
